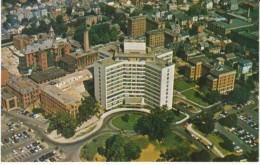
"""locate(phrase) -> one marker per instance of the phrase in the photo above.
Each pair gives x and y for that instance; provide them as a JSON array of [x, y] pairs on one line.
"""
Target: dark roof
[[46, 75], [68, 60], [6, 94]]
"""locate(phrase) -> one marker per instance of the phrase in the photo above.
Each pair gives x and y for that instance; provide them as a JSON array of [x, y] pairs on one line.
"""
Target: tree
[[156, 124], [69, 10], [125, 118], [252, 156], [205, 123], [132, 151], [78, 34], [213, 97], [227, 144], [228, 158], [229, 121], [239, 95], [38, 110], [178, 154], [88, 108], [64, 123], [250, 84], [118, 148], [200, 156]]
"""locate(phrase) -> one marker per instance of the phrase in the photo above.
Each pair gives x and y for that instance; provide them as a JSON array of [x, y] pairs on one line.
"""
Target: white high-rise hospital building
[[134, 77]]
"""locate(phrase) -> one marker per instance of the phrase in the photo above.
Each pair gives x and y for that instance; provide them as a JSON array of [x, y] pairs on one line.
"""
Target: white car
[[14, 151]]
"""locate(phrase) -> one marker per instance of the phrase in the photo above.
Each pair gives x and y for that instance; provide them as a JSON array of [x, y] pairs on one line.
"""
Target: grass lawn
[[182, 85], [216, 140], [190, 94], [88, 151], [119, 123], [178, 118]]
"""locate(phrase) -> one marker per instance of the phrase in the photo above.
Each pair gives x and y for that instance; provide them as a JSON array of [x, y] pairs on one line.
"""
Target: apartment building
[[8, 100], [133, 78], [20, 41], [155, 38], [220, 77], [64, 94], [37, 53], [136, 26], [224, 27], [152, 24], [27, 92], [83, 58], [55, 100]]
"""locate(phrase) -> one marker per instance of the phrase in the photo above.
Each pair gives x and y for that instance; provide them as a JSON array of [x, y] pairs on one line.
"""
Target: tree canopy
[[200, 156], [205, 122], [239, 95], [118, 148], [197, 9], [229, 121], [64, 123], [179, 154], [156, 124], [88, 108]]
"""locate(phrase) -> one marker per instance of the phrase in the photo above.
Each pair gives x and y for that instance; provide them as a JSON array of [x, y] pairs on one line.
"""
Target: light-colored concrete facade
[[133, 76]]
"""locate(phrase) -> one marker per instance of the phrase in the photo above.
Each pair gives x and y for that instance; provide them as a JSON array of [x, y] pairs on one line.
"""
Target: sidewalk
[[98, 124]]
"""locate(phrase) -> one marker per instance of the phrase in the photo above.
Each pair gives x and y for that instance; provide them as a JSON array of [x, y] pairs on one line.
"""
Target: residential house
[[44, 12], [203, 45], [209, 4], [233, 5]]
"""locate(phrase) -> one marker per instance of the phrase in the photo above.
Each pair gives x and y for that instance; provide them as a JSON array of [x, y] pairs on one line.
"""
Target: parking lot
[[19, 143]]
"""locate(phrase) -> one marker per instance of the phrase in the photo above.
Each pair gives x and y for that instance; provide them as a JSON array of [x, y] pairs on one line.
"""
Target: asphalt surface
[[233, 137]]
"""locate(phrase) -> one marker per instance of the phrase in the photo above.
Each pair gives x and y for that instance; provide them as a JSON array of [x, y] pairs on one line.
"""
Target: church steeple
[[51, 32]]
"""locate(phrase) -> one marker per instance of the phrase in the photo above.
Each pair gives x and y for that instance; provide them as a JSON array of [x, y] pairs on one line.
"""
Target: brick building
[[41, 53], [155, 38], [27, 92], [83, 58], [136, 26], [4, 76], [152, 24], [9, 100], [219, 77], [20, 41]]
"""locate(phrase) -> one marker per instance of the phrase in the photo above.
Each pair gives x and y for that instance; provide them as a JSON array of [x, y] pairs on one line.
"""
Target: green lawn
[[88, 151], [216, 140], [178, 118], [172, 140], [190, 94], [119, 123], [182, 85]]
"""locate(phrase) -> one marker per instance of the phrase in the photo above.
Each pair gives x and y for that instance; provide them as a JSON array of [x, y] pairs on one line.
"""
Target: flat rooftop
[[236, 23], [6, 94], [59, 95], [134, 39], [137, 17], [221, 69], [46, 75], [22, 85], [81, 53]]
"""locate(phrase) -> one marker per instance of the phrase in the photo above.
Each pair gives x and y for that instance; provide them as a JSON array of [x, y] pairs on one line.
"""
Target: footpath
[[97, 124]]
